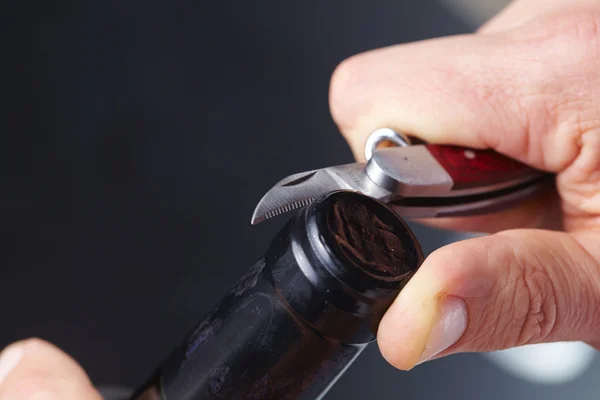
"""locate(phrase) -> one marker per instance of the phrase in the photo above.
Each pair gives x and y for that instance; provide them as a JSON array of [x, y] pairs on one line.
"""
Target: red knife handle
[[472, 168]]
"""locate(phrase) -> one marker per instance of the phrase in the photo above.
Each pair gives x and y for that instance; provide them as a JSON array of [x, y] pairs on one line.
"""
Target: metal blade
[[299, 190], [293, 192]]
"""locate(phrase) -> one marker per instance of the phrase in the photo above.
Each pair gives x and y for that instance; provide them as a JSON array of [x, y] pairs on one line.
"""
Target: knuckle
[[535, 306], [579, 184], [523, 306]]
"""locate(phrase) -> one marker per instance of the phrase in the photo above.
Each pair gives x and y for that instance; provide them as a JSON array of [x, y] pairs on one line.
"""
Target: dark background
[[138, 137]]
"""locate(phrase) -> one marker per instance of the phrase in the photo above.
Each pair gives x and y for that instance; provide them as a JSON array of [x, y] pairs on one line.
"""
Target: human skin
[[525, 85]]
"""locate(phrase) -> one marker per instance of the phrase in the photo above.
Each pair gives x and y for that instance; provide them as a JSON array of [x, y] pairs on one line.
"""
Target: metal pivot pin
[[384, 136]]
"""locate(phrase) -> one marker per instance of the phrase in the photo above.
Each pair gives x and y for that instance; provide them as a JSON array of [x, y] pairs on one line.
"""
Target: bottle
[[302, 314]]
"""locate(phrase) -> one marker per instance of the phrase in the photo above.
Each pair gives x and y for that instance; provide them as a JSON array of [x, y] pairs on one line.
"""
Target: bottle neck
[[335, 294]]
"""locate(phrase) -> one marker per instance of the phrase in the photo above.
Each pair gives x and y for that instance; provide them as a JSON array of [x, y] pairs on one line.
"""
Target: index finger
[[506, 92]]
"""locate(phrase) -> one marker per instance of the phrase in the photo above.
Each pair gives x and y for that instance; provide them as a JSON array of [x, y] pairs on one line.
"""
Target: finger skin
[[520, 287], [526, 86], [460, 90], [529, 93], [46, 373]]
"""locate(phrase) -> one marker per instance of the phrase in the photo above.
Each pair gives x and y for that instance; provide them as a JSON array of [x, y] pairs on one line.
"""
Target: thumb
[[35, 369], [495, 292]]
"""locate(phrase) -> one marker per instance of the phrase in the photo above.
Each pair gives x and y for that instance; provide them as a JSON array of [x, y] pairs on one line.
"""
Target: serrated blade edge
[[288, 207]]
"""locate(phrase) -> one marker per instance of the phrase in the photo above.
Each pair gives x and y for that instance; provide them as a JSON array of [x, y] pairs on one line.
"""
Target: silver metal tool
[[417, 181]]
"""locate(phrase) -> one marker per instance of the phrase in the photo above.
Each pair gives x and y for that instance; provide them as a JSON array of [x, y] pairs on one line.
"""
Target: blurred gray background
[[137, 138]]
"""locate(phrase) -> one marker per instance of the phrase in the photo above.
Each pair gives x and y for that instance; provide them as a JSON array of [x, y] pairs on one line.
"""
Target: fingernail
[[9, 359], [447, 330]]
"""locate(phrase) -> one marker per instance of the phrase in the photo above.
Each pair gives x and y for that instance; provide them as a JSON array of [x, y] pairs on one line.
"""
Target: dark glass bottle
[[291, 326]]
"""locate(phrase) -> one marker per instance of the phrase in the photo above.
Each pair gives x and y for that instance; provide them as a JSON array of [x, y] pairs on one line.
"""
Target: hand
[[34, 369], [527, 85]]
